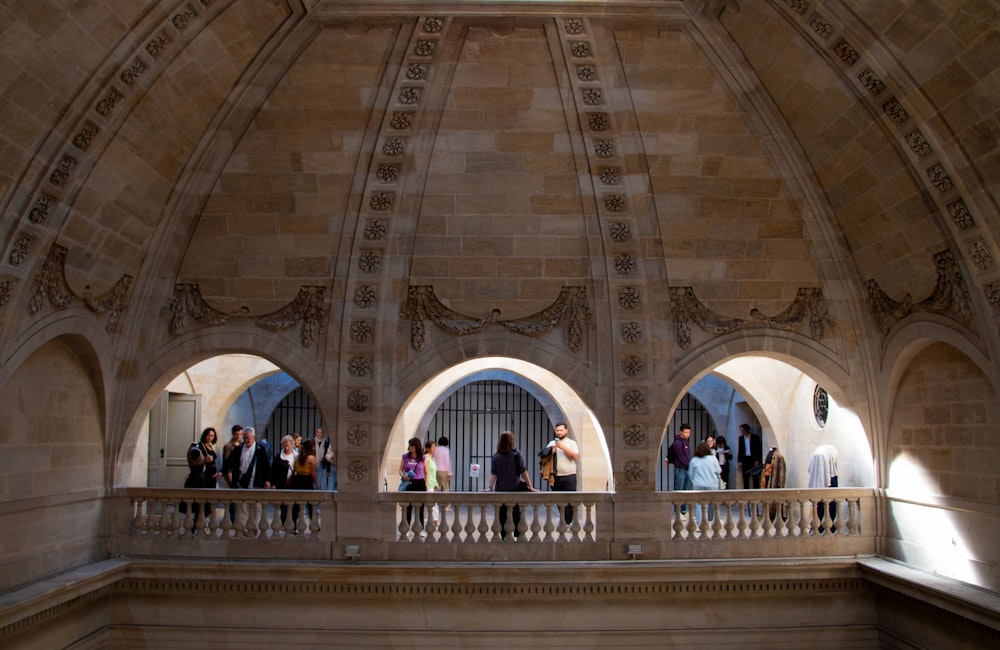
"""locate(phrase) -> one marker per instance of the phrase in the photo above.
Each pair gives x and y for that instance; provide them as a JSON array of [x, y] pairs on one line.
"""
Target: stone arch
[[190, 350], [777, 382], [550, 389]]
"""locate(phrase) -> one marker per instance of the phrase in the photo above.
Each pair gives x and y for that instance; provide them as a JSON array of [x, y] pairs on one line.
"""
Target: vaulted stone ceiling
[[297, 166]]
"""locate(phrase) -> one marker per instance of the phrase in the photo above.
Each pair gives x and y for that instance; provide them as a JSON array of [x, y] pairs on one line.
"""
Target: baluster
[[521, 525], [767, 523], [717, 521], [402, 528], [315, 521], [851, 526], [535, 525], [676, 524], [589, 526], [482, 526], [227, 528], [550, 527], [827, 519], [455, 524], [140, 520], [470, 526], [813, 519], [171, 518], [703, 525], [783, 510], [576, 526], [502, 532]]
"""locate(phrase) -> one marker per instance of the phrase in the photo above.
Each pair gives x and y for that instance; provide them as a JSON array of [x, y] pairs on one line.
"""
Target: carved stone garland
[[571, 308], [686, 309], [950, 297], [308, 308], [51, 283]]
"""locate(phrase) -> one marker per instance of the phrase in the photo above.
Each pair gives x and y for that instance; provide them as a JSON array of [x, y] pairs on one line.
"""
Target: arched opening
[[219, 392], [778, 400], [555, 397]]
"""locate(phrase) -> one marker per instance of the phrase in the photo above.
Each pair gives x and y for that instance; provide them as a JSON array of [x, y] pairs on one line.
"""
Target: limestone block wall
[[942, 468], [53, 462]]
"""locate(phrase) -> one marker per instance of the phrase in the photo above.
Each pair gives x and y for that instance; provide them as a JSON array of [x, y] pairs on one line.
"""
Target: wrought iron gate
[[473, 417]]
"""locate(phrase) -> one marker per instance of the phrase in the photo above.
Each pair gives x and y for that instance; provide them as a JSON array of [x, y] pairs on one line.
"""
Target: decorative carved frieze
[[959, 213], [592, 96], [614, 202], [846, 52], [375, 229], [357, 471], [369, 262], [625, 264], [604, 148], [362, 331], [107, 104], [132, 73], [633, 366], [393, 146], [809, 302], [157, 44], [570, 308], [86, 135], [40, 210], [359, 366], [599, 121], [586, 72], [409, 95], [365, 296], [635, 472], [358, 400], [949, 298], [620, 231], [634, 435], [629, 298], [6, 290], [918, 143], [634, 400], [940, 178], [357, 435], [21, 248], [401, 120], [895, 111], [381, 201], [62, 171], [308, 308], [417, 71], [871, 81], [424, 47], [980, 255], [51, 283], [686, 309], [573, 26], [580, 49], [631, 332], [821, 26], [611, 176], [433, 25]]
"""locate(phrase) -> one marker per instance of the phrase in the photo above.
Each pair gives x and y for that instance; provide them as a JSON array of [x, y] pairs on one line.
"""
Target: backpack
[[194, 456], [671, 455]]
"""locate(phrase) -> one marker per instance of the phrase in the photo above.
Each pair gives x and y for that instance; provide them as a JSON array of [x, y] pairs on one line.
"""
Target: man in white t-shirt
[[567, 452]]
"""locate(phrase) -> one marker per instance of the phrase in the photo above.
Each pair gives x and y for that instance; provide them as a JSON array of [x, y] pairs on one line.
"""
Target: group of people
[[247, 463], [708, 467], [426, 467]]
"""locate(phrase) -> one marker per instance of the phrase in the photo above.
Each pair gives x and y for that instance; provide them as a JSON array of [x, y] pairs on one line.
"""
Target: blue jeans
[[682, 481]]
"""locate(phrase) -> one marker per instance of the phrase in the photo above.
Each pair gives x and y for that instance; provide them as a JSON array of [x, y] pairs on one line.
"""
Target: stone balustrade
[[475, 526]]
